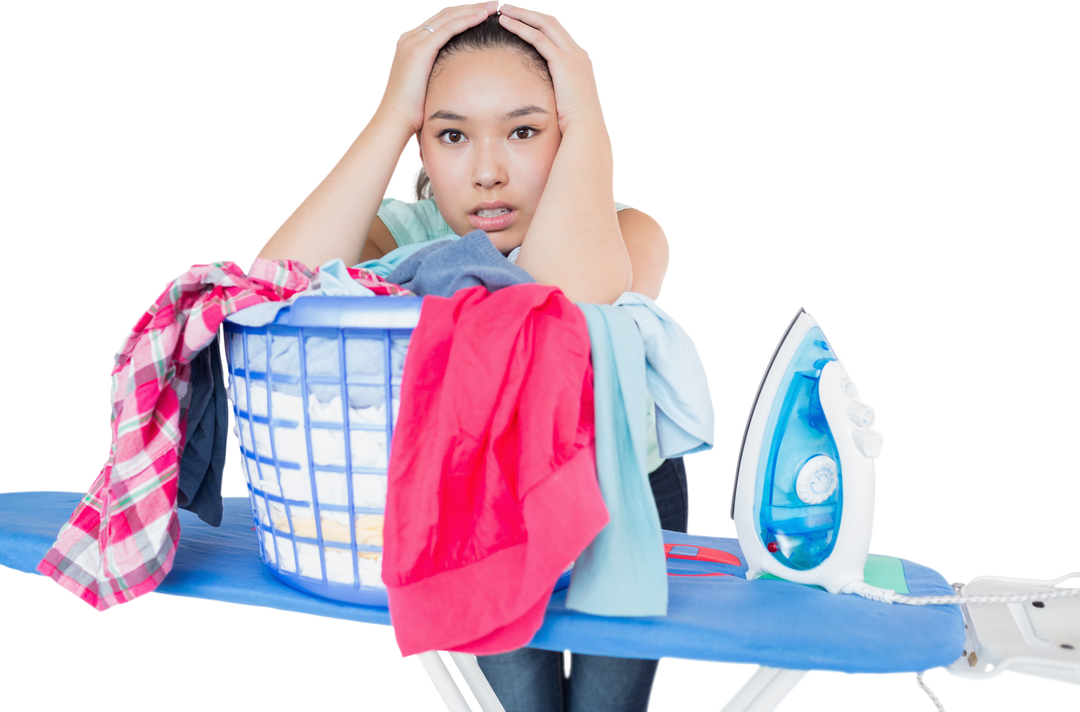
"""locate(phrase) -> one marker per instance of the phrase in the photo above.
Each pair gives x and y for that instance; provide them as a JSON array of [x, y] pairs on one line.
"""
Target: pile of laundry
[[169, 425], [531, 411]]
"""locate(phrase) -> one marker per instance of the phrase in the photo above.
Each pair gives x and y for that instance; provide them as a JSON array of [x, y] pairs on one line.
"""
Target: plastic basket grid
[[282, 543]]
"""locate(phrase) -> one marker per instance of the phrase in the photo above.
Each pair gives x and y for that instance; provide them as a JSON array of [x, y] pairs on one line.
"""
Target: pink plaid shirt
[[120, 541]]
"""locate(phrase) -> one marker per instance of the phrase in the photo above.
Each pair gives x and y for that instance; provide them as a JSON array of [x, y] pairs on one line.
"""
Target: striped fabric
[[120, 541]]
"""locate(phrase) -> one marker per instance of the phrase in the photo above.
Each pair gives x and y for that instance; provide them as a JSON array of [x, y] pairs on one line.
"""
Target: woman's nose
[[490, 169]]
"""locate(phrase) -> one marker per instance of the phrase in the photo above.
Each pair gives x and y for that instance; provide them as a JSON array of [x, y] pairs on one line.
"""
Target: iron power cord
[[919, 677], [887, 595]]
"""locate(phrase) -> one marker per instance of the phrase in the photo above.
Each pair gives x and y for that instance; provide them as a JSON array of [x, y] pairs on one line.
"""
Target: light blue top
[[414, 225], [411, 223]]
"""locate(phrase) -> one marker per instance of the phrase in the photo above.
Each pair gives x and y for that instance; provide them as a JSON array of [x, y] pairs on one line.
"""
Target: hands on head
[[513, 141], [569, 66]]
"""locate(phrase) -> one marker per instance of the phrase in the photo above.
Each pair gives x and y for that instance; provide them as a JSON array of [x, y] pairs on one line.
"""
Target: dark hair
[[490, 34]]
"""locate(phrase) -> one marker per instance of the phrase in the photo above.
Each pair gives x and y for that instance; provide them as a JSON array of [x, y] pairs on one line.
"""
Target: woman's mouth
[[493, 219]]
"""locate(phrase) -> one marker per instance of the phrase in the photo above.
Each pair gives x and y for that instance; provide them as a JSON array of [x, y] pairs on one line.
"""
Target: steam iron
[[804, 493]]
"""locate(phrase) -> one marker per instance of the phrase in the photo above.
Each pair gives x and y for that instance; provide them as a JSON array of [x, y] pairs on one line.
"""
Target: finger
[[456, 8], [445, 25], [453, 25], [448, 13], [545, 23], [547, 49]]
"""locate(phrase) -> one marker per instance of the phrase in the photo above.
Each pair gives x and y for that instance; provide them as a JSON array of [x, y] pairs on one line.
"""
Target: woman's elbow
[[594, 278], [595, 291]]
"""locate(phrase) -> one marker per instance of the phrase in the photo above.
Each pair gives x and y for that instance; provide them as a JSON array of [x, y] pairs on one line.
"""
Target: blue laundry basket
[[315, 396]]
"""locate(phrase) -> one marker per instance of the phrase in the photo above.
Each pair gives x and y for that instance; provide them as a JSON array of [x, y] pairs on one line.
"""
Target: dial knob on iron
[[860, 414], [816, 480]]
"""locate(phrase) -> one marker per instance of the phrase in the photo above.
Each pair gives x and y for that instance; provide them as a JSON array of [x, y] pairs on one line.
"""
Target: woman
[[560, 188], [505, 109]]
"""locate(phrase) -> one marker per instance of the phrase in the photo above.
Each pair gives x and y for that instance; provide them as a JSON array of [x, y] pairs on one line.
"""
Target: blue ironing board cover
[[720, 618]]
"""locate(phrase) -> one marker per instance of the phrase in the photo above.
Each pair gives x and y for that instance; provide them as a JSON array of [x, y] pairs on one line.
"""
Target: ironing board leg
[[443, 682], [479, 684], [765, 690]]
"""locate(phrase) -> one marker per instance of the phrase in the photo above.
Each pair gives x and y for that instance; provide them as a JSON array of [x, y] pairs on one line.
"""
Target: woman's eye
[[457, 136]]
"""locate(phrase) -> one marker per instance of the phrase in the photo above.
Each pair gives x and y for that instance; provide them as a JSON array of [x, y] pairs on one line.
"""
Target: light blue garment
[[331, 280], [652, 448], [676, 379], [634, 343], [411, 223], [623, 571]]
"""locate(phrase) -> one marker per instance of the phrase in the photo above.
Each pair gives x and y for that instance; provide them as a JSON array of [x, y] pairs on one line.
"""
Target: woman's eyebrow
[[516, 113]]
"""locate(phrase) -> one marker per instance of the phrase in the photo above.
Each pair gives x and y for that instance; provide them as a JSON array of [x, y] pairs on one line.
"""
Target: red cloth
[[492, 479]]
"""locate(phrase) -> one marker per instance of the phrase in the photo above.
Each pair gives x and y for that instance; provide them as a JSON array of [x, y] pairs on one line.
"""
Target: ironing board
[[714, 613]]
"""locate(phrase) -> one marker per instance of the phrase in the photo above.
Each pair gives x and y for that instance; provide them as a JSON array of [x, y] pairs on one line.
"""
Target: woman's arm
[[574, 239], [334, 221]]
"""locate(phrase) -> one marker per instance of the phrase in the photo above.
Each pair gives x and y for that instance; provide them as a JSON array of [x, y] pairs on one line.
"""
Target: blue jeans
[[532, 680]]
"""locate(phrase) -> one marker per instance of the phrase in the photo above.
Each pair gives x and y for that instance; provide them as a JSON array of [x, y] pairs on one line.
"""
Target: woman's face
[[489, 138]]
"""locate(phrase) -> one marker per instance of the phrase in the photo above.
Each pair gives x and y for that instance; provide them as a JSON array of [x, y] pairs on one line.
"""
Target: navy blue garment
[[668, 483], [201, 465], [445, 267]]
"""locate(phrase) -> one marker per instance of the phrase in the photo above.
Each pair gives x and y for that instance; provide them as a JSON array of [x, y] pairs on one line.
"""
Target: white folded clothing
[[335, 526], [289, 407], [338, 562], [369, 531], [369, 490], [367, 447]]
